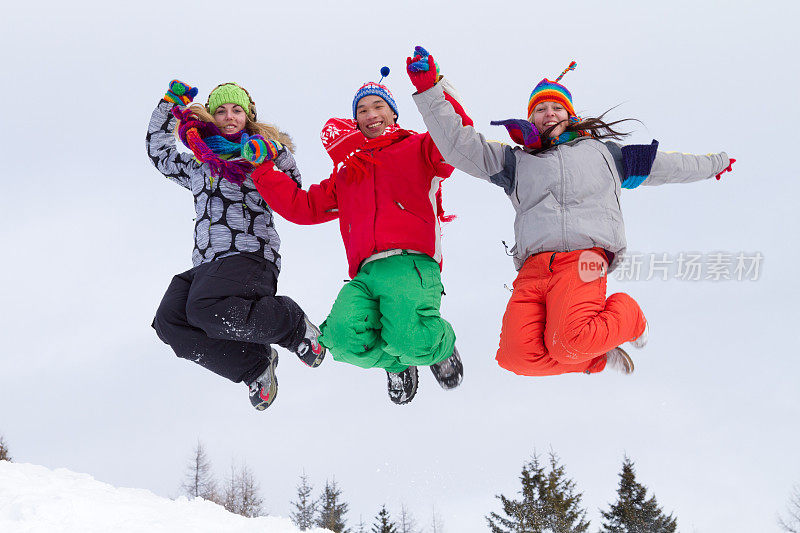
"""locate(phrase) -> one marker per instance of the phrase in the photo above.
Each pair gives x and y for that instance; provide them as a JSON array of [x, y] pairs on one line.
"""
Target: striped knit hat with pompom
[[375, 89], [552, 91]]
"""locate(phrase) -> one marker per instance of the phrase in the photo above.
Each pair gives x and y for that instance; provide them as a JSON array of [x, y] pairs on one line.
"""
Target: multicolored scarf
[[210, 145], [525, 133], [348, 147]]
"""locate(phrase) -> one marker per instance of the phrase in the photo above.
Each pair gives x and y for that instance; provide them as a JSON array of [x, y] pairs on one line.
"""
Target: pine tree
[[252, 504], [362, 527], [407, 522], [436, 522], [305, 506], [199, 481], [4, 456], [791, 522], [548, 504], [242, 493], [332, 509], [383, 523], [633, 512], [563, 504]]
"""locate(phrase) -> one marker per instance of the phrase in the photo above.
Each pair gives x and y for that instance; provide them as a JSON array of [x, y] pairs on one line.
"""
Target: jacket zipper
[[375, 203], [561, 200]]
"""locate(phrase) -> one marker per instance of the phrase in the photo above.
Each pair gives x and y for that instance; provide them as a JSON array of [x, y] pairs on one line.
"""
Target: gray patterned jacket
[[566, 198], [230, 219]]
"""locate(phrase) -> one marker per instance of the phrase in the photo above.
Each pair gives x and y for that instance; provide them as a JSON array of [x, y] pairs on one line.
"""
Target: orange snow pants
[[559, 320]]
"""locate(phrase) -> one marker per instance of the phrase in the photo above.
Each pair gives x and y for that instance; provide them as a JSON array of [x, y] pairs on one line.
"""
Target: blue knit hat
[[377, 89]]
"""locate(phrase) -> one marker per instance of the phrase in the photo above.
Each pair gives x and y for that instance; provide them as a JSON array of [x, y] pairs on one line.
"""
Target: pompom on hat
[[372, 88], [552, 91], [231, 93]]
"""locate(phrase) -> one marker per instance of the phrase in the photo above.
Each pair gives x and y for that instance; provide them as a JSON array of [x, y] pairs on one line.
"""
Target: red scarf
[[347, 146]]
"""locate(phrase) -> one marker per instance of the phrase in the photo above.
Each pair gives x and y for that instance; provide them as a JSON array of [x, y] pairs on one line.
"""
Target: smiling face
[[374, 115], [547, 114], [230, 118]]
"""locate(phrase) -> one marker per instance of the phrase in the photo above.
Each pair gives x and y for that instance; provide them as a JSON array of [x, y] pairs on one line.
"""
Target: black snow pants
[[223, 315]]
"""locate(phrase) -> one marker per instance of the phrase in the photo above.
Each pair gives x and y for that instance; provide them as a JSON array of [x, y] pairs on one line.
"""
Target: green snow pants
[[388, 316]]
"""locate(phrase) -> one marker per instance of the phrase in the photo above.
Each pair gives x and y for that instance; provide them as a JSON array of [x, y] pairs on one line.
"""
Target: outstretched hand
[[729, 168], [257, 150], [180, 93], [422, 69]]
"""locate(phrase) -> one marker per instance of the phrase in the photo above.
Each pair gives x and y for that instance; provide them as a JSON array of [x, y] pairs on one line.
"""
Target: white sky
[[92, 235]]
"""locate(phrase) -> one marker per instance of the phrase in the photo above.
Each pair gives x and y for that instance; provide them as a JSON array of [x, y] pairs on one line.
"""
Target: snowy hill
[[37, 500]]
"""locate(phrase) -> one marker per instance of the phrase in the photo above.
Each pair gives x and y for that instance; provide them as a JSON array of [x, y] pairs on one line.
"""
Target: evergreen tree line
[[240, 494], [328, 511], [547, 502]]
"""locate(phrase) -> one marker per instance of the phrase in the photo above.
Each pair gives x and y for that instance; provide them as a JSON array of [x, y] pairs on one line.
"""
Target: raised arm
[[456, 139], [179, 167], [432, 153]]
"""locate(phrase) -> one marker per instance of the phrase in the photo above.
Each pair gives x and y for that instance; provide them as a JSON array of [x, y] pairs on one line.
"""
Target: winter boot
[[310, 351], [403, 385], [619, 360], [449, 372], [641, 340], [265, 388]]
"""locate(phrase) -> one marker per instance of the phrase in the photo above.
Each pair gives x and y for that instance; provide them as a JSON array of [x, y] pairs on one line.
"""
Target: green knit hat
[[231, 93]]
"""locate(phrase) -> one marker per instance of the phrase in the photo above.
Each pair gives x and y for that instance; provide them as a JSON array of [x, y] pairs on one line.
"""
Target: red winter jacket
[[392, 206]]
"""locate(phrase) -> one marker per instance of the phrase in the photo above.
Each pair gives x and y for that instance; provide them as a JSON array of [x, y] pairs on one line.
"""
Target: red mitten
[[727, 169], [422, 79]]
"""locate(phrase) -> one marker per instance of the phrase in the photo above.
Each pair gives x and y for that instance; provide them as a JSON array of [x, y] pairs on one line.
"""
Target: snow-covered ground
[[35, 499]]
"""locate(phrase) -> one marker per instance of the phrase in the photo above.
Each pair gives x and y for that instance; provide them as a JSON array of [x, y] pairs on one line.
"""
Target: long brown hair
[[268, 131], [595, 127]]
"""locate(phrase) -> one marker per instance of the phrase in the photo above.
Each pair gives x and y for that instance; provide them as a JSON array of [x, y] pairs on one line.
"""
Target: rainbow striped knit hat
[[552, 91]]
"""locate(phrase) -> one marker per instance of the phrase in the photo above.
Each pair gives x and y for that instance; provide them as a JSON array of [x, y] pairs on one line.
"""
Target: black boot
[[403, 385], [449, 372]]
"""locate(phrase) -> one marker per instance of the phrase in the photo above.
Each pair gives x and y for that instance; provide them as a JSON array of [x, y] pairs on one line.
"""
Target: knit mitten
[[180, 93], [258, 149], [422, 69]]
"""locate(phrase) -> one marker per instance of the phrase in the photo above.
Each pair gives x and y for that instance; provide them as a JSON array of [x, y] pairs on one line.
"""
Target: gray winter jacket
[[566, 198], [230, 219]]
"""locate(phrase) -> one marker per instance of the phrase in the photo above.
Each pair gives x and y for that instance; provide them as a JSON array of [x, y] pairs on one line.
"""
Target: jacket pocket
[[239, 268], [428, 272], [412, 213]]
